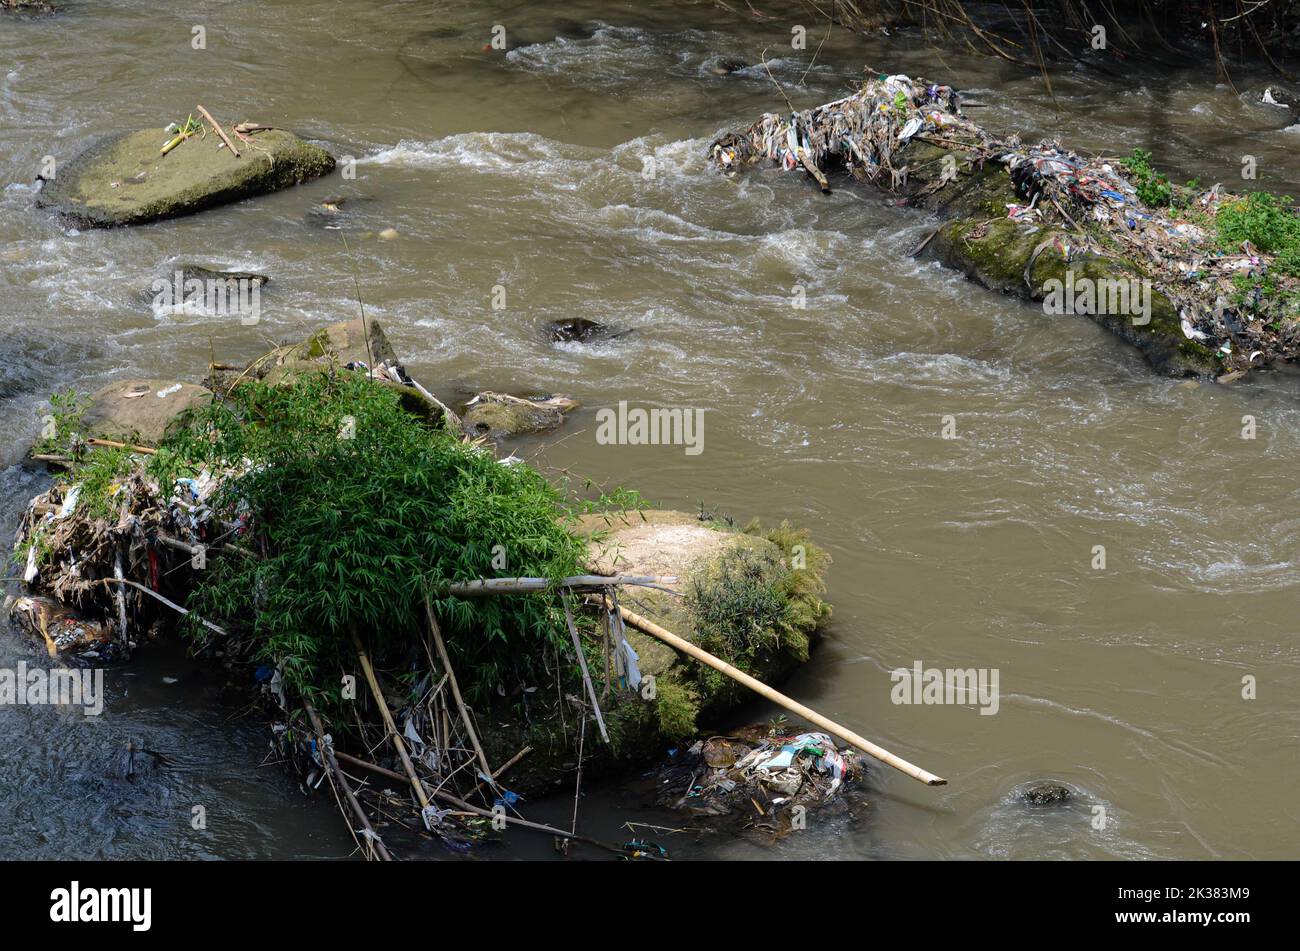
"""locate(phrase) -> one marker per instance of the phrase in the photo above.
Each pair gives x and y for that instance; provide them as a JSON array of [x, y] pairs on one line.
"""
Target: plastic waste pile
[[862, 133], [76, 554], [760, 781], [1182, 257], [1090, 203]]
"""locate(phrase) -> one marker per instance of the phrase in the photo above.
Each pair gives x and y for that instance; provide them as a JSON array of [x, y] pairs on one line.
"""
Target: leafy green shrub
[[1268, 222], [358, 507], [756, 605], [66, 411], [1152, 187]]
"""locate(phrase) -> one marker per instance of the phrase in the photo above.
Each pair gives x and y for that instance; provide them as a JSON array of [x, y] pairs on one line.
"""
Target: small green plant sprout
[[1153, 188]]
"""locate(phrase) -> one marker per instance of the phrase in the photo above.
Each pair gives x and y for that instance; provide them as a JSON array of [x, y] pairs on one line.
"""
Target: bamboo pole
[[327, 751], [500, 770], [763, 690], [388, 722], [455, 691], [220, 131], [483, 587], [158, 597], [469, 807], [114, 444]]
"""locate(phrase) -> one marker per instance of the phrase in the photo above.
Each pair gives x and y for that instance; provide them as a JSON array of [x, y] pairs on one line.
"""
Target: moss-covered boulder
[[140, 411], [973, 191], [25, 6], [751, 597], [498, 416], [1022, 259], [340, 345], [124, 179]]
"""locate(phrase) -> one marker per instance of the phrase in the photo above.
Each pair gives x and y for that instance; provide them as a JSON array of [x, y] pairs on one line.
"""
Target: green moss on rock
[[123, 179]]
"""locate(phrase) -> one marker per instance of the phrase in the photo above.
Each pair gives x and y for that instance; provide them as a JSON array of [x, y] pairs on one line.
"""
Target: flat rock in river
[[124, 180], [140, 411]]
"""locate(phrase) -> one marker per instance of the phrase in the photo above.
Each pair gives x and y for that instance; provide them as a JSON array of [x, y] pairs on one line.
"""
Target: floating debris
[[767, 783], [1086, 205]]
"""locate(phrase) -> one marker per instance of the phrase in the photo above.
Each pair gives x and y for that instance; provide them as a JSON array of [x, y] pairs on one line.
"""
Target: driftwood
[[220, 131], [469, 807], [455, 691], [327, 754], [393, 734], [484, 587]]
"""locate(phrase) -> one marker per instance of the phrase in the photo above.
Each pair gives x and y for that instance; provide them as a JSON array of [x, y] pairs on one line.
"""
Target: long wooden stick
[[455, 690], [763, 690], [586, 675], [482, 587], [158, 597], [220, 131], [114, 444], [469, 807], [388, 722], [500, 770], [327, 751]]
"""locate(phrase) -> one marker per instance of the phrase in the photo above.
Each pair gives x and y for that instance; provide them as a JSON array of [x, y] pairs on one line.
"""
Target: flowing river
[[570, 171]]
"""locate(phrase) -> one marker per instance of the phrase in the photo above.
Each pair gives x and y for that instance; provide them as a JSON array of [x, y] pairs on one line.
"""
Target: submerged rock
[[26, 6], [124, 180], [140, 411], [500, 415], [135, 762], [581, 330], [1045, 793], [196, 272], [714, 566], [725, 67]]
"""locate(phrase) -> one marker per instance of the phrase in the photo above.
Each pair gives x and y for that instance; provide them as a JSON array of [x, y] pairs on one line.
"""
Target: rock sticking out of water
[[140, 411], [582, 330], [725, 67], [196, 272], [500, 415], [26, 6], [1045, 793], [124, 179]]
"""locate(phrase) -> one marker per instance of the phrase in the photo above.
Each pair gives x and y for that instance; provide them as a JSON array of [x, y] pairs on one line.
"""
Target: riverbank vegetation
[[316, 534]]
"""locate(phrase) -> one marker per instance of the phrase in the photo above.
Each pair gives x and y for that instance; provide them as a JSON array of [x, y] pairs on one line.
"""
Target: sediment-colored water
[[571, 172]]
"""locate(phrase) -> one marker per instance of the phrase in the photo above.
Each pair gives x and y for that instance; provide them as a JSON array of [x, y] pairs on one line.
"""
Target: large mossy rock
[[499, 416], [124, 180], [337, 346], [140, 411], [1017, 258], [712, 564]]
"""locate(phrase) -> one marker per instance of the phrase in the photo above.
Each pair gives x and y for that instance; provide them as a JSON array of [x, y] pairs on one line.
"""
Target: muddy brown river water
[[570, 172]]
